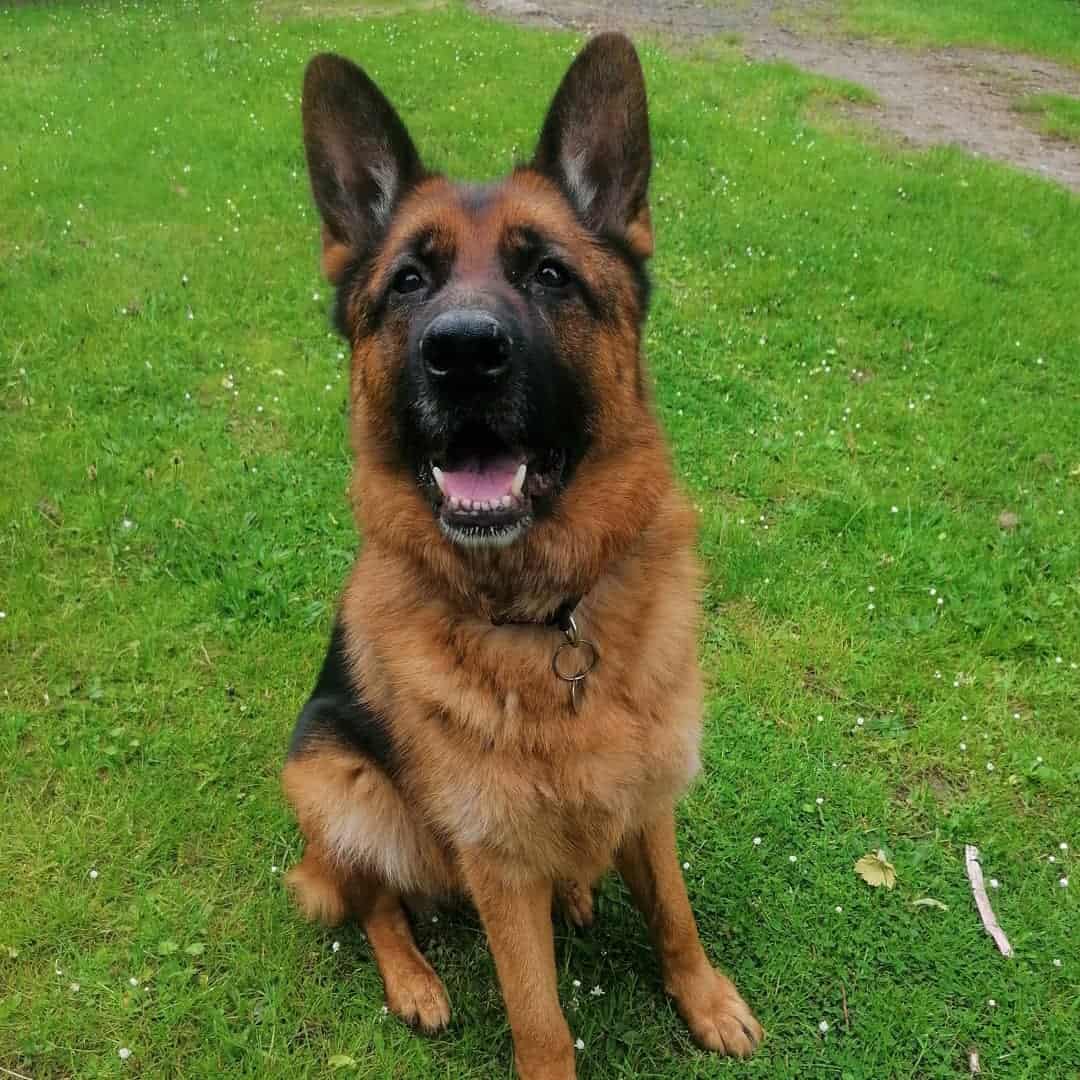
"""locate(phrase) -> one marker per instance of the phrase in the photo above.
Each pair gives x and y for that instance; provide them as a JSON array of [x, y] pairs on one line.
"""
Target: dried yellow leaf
[[876, 870]]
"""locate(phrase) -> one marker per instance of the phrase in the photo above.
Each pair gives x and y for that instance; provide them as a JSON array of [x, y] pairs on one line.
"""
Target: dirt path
[[953, 96]]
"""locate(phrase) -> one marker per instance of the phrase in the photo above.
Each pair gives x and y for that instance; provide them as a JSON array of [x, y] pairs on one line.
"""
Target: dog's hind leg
[[717, 1016], [319, 888], [327, 894], [360, 837], [414, 991], [575, 900]]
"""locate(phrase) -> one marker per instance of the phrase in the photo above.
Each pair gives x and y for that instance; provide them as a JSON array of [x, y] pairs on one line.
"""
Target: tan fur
[[505, 792], [717, 1016], [335, 257], [359, 823]]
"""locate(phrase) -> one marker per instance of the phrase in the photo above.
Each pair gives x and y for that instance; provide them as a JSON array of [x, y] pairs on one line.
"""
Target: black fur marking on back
[[336, 713]]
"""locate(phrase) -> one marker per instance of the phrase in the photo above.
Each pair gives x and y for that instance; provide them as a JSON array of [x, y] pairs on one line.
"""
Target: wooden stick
[[982, 901]]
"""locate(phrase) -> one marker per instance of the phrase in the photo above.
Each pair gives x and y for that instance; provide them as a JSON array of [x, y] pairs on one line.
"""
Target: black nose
[[466, 349]]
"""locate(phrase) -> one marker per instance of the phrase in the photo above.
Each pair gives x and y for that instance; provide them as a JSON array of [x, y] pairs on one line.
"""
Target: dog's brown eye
[[551, 275], [407, 280]]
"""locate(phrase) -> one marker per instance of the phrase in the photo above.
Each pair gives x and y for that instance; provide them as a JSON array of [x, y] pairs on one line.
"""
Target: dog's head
[[495, 328]]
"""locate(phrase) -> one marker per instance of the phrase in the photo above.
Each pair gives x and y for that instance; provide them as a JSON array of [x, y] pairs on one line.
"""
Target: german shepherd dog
[[511, 702]]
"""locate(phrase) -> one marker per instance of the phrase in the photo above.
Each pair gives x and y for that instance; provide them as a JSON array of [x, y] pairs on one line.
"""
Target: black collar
[[560, 618]]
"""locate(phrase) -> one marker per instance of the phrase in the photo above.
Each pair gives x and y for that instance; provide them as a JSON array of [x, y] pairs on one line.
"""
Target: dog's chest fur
[[490, 748]]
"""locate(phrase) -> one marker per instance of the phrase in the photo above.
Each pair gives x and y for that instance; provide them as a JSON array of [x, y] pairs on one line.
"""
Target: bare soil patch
[[342, 9], [951, 96]]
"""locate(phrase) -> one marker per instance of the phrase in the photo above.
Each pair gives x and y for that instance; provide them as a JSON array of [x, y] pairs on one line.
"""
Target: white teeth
[[438, 474], [519, 480], [456, 504]]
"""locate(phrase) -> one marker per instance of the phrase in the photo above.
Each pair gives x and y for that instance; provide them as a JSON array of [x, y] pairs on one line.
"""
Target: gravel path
[[952, 96]]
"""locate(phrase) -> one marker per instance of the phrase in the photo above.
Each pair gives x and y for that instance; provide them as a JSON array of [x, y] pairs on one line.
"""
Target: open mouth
[[485, 492]]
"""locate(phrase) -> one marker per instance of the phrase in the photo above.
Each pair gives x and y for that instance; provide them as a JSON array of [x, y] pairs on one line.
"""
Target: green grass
[[1055, 114], [863, 356], [1044, 27]]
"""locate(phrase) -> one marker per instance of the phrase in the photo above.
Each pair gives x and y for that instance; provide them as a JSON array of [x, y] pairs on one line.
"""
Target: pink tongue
[[481, 482]]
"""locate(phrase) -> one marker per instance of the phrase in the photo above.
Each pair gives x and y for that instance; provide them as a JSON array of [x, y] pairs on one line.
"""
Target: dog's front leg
[[717, 1016], [517, 920]]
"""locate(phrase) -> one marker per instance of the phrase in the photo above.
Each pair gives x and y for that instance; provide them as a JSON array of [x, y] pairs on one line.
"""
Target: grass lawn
[[1055, 114], [1042, 27], [867, 361]]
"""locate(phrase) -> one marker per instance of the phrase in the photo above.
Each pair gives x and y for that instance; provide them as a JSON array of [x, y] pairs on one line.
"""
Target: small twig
[[11, 1072], [982, 901], [843, 1000]]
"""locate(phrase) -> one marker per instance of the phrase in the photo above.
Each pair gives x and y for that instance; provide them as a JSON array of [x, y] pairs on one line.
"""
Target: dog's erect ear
[[595, 141], [360, 158]]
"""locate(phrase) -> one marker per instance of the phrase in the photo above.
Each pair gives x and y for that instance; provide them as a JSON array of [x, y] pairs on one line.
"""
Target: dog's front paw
[[716, 1014], [416, 994]]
